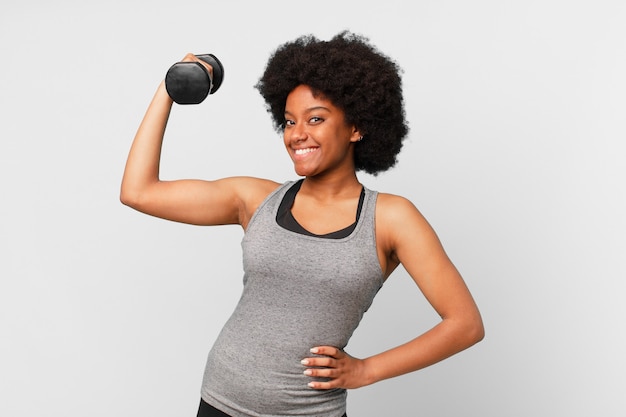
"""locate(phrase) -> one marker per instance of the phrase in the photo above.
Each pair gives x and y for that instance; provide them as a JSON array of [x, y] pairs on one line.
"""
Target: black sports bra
[[286, 220]]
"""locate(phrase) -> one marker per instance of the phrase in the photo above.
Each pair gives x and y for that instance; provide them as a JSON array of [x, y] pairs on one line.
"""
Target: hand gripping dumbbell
[[190, 82]]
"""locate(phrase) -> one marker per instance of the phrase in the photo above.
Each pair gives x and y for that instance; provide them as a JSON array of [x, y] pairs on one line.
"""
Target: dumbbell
[[190, 82]]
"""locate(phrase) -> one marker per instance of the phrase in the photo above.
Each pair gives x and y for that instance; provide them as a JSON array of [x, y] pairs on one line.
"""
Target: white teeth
[[303, 151]]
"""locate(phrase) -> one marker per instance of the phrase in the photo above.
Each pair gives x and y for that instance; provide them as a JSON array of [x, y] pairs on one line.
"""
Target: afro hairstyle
[[356, 77]]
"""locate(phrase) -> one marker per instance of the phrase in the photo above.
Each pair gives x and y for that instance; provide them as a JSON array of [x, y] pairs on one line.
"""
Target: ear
[[357, 136]]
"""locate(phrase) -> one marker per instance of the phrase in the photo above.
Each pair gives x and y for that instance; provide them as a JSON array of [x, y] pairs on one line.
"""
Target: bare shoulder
[[392, 208], [251, 192], [251, 185], [399, 225]]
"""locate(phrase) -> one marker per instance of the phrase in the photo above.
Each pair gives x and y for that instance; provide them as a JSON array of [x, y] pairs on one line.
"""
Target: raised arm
[[223, 201]]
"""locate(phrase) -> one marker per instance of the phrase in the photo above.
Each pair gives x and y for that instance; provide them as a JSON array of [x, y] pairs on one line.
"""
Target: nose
[[297, 132]]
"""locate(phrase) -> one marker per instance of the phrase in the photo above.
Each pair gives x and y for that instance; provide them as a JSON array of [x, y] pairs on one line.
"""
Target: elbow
[[468, 330], [478, 332], [126, 197], [475, 330], [126, 200], [137, 196], [129, 198]]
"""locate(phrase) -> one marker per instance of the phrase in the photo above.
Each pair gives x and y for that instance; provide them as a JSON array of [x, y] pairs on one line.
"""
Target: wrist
[[370, 374], [162, 90]]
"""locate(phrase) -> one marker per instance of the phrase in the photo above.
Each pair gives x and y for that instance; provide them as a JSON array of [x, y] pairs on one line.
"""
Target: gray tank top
[[299, 291]]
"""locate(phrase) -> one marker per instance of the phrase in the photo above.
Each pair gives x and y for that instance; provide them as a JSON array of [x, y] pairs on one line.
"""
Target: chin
[[303, 172]]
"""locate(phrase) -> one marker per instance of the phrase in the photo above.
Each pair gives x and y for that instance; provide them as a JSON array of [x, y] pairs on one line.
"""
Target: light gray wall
[[516, 156]]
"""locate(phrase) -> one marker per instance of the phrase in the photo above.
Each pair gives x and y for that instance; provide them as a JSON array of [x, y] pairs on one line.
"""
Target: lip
[[303, 153]]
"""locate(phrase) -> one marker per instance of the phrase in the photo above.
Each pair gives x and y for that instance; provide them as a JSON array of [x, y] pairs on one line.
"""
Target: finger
[[321, 385], [327, 351], [189, 57], [325, 362], [321, 373], [193, 58]]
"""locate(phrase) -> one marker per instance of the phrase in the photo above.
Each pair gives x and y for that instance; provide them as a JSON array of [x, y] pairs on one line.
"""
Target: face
[[317, 137]]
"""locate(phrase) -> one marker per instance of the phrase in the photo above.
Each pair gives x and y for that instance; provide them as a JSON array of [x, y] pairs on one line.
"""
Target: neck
[[335, 187]]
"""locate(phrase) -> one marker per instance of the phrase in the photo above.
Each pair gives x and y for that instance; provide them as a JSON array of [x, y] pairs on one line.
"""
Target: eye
[[288, 122], [314, 120]]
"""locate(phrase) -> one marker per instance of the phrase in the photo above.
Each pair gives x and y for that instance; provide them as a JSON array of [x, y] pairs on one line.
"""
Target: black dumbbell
[[190, 82]]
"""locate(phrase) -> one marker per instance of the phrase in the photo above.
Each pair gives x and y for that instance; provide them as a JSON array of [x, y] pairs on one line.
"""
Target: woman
[[316, 250]]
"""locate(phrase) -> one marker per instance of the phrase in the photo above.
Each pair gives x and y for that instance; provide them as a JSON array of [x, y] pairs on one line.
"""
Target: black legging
[[207, 410]]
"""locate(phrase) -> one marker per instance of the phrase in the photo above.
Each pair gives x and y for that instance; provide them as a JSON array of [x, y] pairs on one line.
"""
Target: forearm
[[142, 165], [442, 341]]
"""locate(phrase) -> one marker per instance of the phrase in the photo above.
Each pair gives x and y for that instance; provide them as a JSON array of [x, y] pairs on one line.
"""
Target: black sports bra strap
[[286, 220]]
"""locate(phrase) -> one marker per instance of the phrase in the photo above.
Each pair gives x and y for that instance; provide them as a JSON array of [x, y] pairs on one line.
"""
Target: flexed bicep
[[225, 201]]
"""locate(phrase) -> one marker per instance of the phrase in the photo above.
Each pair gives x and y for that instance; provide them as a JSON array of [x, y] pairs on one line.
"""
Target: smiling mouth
[[304, 151]]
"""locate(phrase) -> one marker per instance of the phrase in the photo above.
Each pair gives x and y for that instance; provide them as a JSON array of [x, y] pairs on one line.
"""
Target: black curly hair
[[356, 77]]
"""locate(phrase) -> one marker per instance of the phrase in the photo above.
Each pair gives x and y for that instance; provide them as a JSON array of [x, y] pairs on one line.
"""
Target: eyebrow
[[311, 109]]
